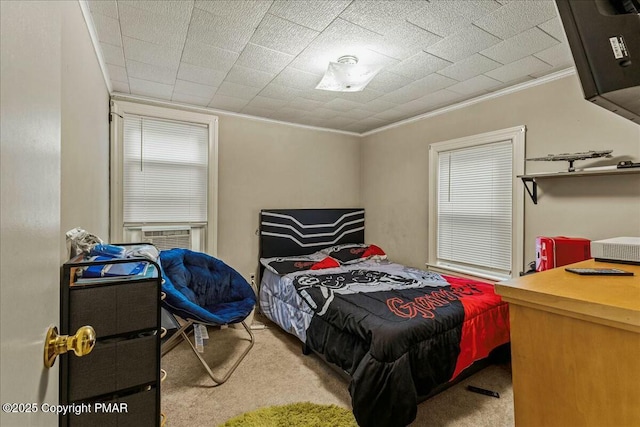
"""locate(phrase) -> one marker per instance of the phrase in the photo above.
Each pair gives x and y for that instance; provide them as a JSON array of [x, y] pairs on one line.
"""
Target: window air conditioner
[[168, 237]]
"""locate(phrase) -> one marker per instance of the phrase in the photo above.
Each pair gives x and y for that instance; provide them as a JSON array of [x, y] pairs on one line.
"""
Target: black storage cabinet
[[118, 383]]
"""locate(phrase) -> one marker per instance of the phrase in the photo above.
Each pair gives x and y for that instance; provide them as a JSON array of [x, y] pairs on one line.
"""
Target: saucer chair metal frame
[[179, 300], [172, 342]]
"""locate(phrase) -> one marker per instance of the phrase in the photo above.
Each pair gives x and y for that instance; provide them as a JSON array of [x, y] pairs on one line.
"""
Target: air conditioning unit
[[168, 237]]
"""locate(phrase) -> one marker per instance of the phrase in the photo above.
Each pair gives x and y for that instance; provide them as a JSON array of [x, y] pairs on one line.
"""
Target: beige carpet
[[275, 372]]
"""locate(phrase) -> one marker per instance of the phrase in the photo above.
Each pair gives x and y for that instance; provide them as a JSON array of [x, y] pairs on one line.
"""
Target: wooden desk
[[575, 347]]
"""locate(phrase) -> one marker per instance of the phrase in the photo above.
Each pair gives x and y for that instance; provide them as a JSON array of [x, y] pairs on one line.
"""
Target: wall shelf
[[533, 178]]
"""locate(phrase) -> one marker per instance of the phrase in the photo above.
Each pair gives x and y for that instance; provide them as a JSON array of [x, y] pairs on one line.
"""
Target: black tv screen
[[604, 38]]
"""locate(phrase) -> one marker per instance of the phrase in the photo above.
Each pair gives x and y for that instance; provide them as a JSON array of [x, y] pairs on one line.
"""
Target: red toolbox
[[557, 251]]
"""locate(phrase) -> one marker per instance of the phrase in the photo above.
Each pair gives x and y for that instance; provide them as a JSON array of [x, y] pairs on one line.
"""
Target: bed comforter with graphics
[[399, 332]]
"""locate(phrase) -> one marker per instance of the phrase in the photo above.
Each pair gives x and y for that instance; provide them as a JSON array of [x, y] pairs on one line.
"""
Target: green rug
[[304, 414]]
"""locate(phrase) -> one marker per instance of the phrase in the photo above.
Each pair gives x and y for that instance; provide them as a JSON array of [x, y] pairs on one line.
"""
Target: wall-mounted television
[[604, 38]]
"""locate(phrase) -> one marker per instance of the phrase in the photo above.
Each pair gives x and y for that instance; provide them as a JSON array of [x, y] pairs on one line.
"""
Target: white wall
[[558, 120], [268, 166], [85, 132]]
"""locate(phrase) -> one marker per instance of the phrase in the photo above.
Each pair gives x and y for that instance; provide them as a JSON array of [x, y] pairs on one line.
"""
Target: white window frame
[[118, 110], [517, 137]]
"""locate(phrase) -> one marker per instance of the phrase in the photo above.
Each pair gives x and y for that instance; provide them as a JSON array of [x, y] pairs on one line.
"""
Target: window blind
[[165, 171], [474, 222]]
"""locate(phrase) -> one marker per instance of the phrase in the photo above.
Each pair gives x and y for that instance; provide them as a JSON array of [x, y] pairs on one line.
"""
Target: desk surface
[[610, 300]]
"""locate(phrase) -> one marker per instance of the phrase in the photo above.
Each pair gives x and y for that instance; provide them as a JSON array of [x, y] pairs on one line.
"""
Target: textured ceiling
[[264, 58]]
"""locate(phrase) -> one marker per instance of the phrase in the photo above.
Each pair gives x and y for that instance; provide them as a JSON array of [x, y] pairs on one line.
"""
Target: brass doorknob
[[81, 343]]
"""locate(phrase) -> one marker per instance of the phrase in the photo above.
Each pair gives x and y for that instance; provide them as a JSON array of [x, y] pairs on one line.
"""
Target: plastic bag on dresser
[[80, 241]]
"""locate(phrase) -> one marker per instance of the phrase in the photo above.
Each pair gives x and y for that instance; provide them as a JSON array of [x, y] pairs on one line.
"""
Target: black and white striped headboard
[[287, 232]]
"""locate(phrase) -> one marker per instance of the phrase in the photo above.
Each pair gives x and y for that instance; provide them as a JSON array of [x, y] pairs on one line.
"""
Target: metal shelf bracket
[[533, 192]]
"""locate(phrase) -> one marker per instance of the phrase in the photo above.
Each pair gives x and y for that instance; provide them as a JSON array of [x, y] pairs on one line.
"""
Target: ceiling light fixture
[[347, 75]]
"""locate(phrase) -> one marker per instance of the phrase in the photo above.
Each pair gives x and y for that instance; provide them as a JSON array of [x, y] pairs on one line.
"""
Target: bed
[[399, 333]]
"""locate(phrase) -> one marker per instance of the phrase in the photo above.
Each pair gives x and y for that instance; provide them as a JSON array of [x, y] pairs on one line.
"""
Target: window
[[165, 171], [163, 177], [476, 205]]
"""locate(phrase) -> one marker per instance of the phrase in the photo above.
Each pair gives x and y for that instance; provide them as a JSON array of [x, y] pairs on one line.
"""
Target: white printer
[[624, 250]]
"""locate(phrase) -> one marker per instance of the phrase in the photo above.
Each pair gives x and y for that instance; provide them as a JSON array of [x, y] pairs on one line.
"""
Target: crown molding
[[86, 13], [506, 91], [172, 104]]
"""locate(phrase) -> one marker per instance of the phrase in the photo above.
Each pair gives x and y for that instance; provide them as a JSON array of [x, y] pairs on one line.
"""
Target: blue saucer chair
[[199, 288]]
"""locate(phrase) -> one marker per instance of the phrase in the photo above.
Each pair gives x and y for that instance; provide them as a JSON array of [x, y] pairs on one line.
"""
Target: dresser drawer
[[113, 365], [115, 309]]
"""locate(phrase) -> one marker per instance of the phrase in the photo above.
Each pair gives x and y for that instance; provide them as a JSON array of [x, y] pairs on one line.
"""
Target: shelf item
[[534, 177], [572, 157], [119, 381]]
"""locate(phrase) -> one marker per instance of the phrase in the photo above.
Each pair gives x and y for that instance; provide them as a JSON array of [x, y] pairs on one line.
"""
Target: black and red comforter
[[399, 332]]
